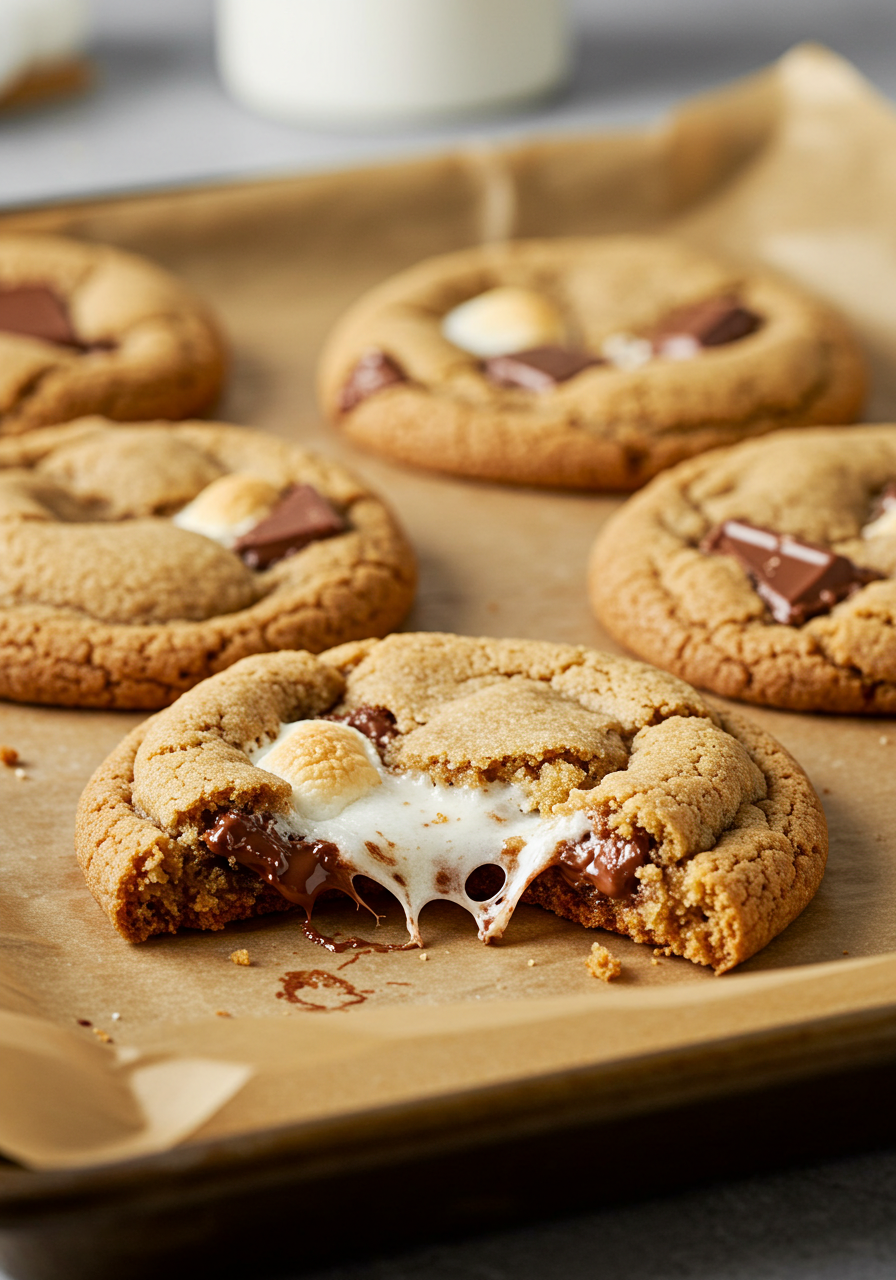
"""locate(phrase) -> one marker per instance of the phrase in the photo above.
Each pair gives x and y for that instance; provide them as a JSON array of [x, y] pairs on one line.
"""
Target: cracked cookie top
[[441, 767], [90, 329], [766, 572], [589, 363], [135, 560]]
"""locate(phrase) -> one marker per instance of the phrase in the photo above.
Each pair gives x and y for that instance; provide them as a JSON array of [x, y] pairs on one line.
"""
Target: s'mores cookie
[[766, 572], [137, 560], [583, 363], [481, 772], [85, 328]]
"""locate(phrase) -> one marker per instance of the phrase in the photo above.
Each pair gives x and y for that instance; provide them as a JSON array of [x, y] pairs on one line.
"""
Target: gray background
[[158, 117]]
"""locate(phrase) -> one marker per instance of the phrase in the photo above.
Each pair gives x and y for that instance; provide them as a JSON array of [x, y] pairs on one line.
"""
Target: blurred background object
[[159, 115], [40, 49], [370, 60]]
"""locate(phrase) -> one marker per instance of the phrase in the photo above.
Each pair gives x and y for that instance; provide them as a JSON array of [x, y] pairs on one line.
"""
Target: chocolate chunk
[[796, 579], [376, 723], [299, 869], [539, 369], [300, 517], [374, 372], [36, 311], [712, 322], [606, 860]]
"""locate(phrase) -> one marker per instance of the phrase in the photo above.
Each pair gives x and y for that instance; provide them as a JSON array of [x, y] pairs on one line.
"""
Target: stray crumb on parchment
[[423, 956], [602, 963], [240, 956], [20, 774], [222, 1013], [102, 1035], [8, 756], [530, 964]]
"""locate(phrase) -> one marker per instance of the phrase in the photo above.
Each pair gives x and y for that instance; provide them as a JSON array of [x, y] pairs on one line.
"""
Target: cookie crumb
[[20, 774], [115, 1017], [846, 953], [222, 1013], [423, 956], [602, 963], [658, 951], [884, 739], [530, 964], [102, 1035], [240, 956], [654, 960], [9, 756]]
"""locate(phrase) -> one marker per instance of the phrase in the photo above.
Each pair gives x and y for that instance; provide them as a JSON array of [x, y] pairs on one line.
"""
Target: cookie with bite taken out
[[582, 363], [137, 560], [481, 772]]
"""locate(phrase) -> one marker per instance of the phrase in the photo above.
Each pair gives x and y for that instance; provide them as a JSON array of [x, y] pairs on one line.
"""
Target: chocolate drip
[[796, 579], [713, 322], [298, 869], [353, 943], [539, 368], [606, 860], [376, 723], [374, 372], [301, 516]]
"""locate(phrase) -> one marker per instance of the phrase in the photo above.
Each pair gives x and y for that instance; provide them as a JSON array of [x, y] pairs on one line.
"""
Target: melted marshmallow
[[228, 507], [421, 840]]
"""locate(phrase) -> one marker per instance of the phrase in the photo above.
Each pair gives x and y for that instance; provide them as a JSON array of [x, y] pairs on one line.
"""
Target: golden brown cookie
[[85, 328], [585, 363], [137, 560], [484, 772], [764, 571]]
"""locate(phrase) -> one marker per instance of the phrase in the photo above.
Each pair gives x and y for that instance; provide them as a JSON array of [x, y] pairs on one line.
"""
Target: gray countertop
[[158, 117]]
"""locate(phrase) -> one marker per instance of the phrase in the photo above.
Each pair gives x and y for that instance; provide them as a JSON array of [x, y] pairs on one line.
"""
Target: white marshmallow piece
[[328, 766], [38, 32], [625, 351], [228, 507], [679, 346], [883, 527], [502, 321]]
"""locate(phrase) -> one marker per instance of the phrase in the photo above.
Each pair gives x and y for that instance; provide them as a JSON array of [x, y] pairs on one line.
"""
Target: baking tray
[[482, 1106]]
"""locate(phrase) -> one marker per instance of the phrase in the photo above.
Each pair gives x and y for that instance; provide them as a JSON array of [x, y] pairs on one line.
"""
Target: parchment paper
[[795, 167]]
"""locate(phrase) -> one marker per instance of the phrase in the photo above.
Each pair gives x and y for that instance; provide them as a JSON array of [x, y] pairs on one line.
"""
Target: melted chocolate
[[318, 979], [376, 723], [373, 372], [301, 516], [37, 311], [298, 869], [538, 369], [796, 579], [714, 322], [352, 943], [606, 860]]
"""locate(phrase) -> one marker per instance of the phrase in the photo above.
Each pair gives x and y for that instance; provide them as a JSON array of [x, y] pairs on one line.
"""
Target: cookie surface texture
[[87, 328], [586, 363], [136, 560], [604, 790], [702, 615]]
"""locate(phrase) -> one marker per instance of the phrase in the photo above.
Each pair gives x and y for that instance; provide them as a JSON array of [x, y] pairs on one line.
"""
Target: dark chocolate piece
[[376, 723], [299, 869], [796, 579], [36, 311], [539, 369], [606, 860], [712, 322], [374, 372], [301, 516]]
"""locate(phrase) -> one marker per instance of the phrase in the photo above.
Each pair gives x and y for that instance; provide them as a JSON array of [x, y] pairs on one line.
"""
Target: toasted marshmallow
[[883, 527], [228, 507], [679, 346], [502, 321], [626, 351], [327, 765]]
